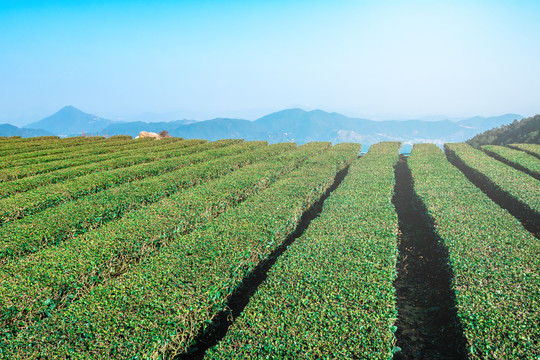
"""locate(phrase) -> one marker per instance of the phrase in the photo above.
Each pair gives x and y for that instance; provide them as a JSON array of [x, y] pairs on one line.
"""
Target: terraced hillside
[[188, 249]]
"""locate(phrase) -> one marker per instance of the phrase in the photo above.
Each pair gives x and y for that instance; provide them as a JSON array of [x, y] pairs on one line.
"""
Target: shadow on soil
[[428, 326]]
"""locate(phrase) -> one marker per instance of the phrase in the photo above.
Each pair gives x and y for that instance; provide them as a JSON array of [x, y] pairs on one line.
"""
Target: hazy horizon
[[169, 117], [203, 59]]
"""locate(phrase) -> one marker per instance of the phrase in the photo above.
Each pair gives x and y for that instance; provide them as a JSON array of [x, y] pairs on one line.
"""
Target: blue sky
[[202, 59]]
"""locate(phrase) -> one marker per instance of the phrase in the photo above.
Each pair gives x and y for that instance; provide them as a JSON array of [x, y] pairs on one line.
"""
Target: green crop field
[[188, 249]]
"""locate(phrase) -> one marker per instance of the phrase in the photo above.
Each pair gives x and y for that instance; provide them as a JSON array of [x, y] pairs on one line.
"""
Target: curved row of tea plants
[[532, 149], [515, 158], [35, 166], [511, 183], [18, 139], [49, 142], [33, 201], [64, 152], [56, 276], [72, 169], [63, 222], [158, 307], [331, 294], [19, 156], [109, 145], [15, 142], [495, 261], [22, 146]]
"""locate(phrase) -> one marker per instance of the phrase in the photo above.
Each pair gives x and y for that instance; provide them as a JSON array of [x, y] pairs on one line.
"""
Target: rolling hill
[[12, 130], [523, 131]]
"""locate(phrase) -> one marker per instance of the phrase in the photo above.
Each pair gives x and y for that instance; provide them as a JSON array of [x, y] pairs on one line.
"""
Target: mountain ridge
[[293, 124]]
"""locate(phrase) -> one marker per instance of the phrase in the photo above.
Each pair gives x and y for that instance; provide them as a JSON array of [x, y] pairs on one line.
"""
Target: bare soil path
[[427, 323]]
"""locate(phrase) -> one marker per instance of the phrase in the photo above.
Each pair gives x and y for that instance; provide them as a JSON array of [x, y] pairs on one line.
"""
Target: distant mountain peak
[[69, 107], [291, 111], [71, 121]]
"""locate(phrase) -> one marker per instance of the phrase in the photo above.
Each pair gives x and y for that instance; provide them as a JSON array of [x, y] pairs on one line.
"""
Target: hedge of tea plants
[[71, 169], [44, 164], [62, 222], [30, 202], [532, 149], [515, 158], [158, 307], [331, 294], [511, 183], [20, 146], [54, 277], [495, 261], [16, 158]]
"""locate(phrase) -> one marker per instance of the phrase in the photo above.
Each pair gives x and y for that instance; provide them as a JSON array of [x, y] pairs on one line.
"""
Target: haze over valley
[[291, 125]]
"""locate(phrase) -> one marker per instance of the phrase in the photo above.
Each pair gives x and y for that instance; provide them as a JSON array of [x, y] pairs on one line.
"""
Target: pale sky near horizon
[[383, 59]]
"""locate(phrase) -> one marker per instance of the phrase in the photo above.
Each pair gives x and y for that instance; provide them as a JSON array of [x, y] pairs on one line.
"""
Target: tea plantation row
[[133, 249]]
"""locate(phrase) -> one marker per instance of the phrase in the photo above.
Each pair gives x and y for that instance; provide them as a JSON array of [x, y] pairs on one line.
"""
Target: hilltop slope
[[522, 131], [12, 130]]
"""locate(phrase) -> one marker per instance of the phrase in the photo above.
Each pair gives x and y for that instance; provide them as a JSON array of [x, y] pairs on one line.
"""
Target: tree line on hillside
[[520, 131]]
